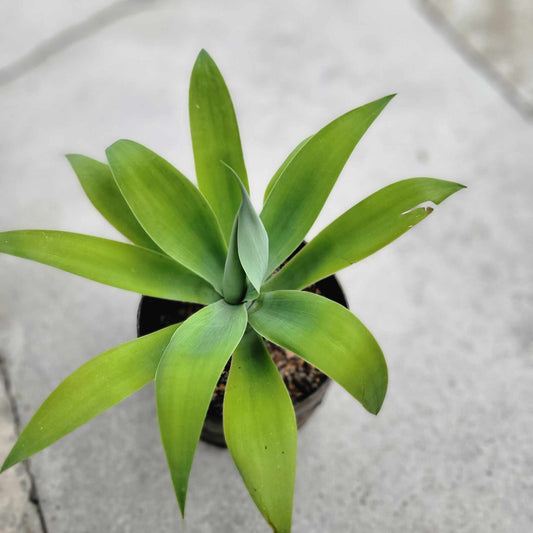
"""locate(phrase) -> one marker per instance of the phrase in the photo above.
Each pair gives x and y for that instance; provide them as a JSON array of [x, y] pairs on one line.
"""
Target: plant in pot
[[217, 309]]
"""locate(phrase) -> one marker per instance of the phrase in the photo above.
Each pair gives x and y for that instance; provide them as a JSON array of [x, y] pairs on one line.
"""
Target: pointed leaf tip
[[260, 430], [301, 190], [8, 463], [204, 53], [215, 136], [252, 239], [384, 101], [236, 177], [349, 354], [181, 505], [102, 190], [362, 230], [182, 397], [99, 384], [203, 58]]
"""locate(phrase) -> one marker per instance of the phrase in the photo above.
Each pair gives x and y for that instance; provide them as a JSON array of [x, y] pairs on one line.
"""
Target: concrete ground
[[451, 302]]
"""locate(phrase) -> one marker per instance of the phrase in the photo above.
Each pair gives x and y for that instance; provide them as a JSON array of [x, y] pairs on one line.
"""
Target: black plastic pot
[[156, 313]]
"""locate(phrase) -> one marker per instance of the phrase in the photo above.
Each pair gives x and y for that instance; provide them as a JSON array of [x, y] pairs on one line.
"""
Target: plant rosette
[[306, 384], [207, 245]]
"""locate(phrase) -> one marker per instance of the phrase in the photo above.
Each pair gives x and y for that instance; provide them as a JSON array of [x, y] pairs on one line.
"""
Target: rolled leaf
[[260, 430], [170, 208], [252, 239], [96, 386], [186, 378], [215, 138], [362, 230], [329, 337], [234, 284], [113, 263], [282, 168], [299, 193], [101, 189]]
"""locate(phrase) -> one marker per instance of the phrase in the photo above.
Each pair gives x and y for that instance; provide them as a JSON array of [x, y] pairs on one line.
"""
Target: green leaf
[[252, 239], [301, 190], [329, 337], [215, 138], [282, 168], [234, 283], [251, 293], [170, 208], [96, 386], [98, 183], [186, 378], [114, 263], [362, 230], [260, 430]]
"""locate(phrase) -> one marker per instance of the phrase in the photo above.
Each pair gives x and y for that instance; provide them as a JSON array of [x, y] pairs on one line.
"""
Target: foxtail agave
[[208, 245]]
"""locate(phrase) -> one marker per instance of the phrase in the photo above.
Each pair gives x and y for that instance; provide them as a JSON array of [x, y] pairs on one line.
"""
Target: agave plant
[[208, 245]]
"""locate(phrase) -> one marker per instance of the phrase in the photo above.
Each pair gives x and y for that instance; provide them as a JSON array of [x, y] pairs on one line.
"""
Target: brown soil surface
[[300, 378]]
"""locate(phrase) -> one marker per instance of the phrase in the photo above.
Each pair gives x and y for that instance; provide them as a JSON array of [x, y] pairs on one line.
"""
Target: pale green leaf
[[215, 138], [96, 386], [186, 378], [260, 430], [170, 208], [252, 239], [100, 187], [362, 230], [251, 293], [282, 168], [113, 263], [234, 283], [329, 337], [301, 190]]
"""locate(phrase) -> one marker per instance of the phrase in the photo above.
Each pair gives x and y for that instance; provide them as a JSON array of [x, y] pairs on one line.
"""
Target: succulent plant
[[208, 245]]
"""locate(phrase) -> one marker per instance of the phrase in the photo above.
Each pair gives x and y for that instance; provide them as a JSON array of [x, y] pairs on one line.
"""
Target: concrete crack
[[475, 58], [71, 35], [33, 495]]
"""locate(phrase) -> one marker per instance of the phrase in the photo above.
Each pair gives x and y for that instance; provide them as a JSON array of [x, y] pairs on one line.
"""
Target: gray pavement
[[497, 37], [450, 303], [18, 511]]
